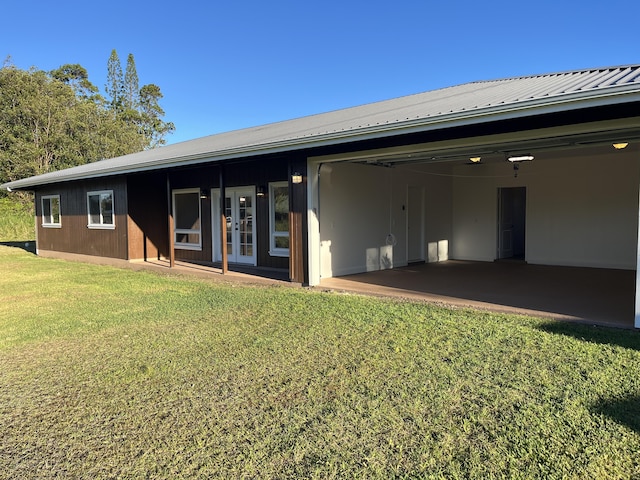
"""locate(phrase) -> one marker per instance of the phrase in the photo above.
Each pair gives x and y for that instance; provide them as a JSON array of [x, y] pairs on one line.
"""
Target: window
[[51, 211], [279, 219], [186, 217], [100, 208]]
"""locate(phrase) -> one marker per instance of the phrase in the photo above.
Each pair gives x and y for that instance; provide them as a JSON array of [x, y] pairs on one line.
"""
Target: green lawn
[[109, 373]]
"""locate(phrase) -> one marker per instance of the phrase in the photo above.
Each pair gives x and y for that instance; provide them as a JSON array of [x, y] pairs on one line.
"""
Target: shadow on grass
[[625, 411], [29, 246], [604, 335]]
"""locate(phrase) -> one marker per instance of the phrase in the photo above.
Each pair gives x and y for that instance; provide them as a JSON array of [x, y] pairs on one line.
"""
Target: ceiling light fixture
[[475, 159], [620, 145], [521, 158]]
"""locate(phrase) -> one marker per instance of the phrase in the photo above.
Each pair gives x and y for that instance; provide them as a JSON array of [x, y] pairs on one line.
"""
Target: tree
[[37, 123], [114, 86], [131, 87], [76, 76], [152, 126], [139, 108], [58, 119]]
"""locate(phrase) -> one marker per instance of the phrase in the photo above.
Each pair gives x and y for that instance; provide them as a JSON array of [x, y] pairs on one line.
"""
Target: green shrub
[[16, 219]]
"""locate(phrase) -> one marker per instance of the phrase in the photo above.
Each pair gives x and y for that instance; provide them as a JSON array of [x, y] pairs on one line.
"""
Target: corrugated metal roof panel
[[375, 119]]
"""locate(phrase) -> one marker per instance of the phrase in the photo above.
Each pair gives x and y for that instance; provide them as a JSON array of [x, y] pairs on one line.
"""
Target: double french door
[[239, 212]]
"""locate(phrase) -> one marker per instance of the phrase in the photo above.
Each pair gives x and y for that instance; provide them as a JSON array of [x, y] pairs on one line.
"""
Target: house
[[544, 168]]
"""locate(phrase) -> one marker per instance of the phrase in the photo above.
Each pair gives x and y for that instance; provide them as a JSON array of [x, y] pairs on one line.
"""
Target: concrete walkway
[[591, 295]]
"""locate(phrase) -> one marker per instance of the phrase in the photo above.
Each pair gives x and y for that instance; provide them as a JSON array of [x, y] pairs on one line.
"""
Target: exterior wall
[[361, 205], [254, 173], [74, 236], [142, 218], [148, 221], [581, 209]]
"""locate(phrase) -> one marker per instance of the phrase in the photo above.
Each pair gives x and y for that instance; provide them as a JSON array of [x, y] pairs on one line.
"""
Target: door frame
[[234, 193]]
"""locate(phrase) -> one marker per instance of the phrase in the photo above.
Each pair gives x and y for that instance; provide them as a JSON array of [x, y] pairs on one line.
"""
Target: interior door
[[239, 211], [511, 222]]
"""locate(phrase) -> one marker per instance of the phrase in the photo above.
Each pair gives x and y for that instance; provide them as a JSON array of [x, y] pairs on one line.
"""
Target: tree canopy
[[58, 119]]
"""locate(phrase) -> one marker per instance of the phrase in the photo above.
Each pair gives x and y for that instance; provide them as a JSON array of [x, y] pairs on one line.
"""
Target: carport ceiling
[[498, 147]]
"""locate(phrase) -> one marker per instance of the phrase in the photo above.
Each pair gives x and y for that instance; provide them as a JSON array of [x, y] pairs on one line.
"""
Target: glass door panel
[[228, 213], [239, 214]]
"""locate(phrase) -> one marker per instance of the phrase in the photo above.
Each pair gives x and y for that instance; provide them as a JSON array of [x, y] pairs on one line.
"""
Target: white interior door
[[239, 211]]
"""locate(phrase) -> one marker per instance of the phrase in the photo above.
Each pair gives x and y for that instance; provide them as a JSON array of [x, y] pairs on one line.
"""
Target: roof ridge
[[555, 74]]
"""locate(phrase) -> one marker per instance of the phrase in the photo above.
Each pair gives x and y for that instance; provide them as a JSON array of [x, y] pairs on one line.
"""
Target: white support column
[[637, 310], [313, 221]]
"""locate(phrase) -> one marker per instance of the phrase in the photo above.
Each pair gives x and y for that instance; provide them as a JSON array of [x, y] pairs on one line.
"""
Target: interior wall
[[363, 216], [438, 184], [582, 208]]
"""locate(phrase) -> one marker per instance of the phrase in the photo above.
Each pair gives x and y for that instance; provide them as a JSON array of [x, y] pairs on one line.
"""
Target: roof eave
[[538, 106]]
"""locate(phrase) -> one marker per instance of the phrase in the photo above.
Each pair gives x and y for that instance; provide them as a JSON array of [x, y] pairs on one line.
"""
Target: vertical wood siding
[[75, 236], [148, 216]]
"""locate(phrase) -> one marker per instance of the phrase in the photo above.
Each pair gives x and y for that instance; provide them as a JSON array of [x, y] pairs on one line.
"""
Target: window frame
[[49, 222], [102, 225], [273, 234], [178, 231]]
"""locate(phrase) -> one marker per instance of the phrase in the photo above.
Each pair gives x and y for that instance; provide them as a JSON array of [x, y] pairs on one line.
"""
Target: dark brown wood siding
[[298, 257], [141, 211], [148, 217], [74, 236]]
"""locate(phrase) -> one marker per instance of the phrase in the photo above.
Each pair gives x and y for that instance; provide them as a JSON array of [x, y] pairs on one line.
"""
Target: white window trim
[[273, 250], [177, 231], [101, 225], [45, 223]]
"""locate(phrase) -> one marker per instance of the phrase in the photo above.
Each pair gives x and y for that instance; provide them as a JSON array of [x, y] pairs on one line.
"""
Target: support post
[[637, 307], [313, 221], [223, 223], [297, 212], [172, 250]]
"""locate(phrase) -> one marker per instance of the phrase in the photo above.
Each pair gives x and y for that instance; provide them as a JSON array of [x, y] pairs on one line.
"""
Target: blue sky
[[228, 65]]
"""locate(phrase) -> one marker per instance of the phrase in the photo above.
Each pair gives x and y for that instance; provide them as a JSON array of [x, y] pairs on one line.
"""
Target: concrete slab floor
[[589, 295]]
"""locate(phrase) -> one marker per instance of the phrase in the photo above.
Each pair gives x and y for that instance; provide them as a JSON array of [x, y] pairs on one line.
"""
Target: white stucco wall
[[581, 210]]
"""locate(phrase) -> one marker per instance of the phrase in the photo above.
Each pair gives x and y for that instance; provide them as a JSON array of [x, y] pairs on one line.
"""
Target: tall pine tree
[[131, 88], [114, 86]]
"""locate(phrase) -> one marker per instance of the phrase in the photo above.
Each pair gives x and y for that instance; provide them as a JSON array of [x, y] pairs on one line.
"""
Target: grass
[[108, 373], [16, 220]]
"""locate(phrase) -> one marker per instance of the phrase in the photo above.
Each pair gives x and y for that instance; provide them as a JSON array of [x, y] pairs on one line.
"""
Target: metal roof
[[463, 104]]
